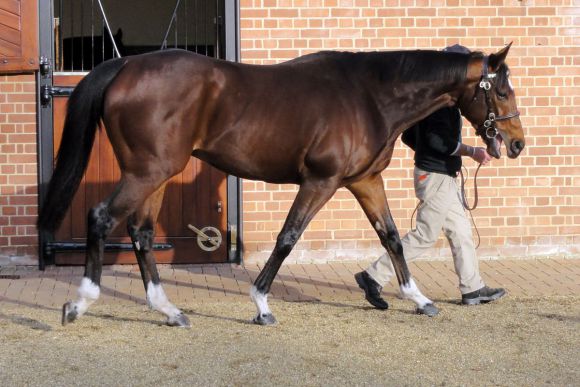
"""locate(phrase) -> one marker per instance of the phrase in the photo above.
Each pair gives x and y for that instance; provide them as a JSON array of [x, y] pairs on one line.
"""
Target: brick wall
[[528, 206], [18, 173]]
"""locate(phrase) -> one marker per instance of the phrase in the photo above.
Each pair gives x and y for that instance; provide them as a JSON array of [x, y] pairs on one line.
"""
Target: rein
[[463, 196], [464, 201]]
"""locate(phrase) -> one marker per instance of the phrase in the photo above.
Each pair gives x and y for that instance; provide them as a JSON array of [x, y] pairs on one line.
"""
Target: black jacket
[[434, 139]]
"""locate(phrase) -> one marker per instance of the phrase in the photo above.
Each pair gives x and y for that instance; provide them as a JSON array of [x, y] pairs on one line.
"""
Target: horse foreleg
[[370, 194], [141, 229], [311, 196], [100, 224]]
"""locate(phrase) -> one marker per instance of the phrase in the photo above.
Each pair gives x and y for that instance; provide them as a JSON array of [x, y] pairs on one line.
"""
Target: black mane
[[398, 66], [428, 66]]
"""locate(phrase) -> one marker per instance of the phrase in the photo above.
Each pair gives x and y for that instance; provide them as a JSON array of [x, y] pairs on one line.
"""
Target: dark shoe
[[372, 290], [482, 296]]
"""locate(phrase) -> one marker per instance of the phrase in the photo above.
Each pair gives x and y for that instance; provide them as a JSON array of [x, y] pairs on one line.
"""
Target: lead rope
[[464, 198], [414, 211], [463, 201]]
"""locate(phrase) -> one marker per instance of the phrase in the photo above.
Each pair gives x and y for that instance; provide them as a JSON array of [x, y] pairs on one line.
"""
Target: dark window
[[88, 32]]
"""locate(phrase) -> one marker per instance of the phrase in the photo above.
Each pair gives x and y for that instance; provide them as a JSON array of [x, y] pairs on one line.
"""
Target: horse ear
[[495, 60]]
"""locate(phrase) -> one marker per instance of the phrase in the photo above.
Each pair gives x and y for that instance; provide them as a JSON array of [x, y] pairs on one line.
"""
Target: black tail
[[84, 111]]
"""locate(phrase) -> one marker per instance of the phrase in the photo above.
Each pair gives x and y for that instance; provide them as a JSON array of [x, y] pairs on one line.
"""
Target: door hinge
[[233, 238], [44, 64], [47, 92]]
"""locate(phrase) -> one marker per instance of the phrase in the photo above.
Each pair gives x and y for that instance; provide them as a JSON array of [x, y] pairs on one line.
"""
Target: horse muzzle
[[515, 148], [494, 146]]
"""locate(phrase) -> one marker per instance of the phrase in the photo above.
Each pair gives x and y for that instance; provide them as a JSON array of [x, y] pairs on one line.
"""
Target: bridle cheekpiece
[[485, 84]]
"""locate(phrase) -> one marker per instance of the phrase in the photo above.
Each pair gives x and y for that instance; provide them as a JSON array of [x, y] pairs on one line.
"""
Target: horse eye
[[501, 95]]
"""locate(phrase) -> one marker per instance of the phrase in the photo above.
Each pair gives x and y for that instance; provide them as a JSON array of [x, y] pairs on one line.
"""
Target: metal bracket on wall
[[47, 92], [233, 239]]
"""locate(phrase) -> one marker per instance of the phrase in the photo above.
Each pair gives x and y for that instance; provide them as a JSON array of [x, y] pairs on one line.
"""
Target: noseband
[[488, 127]]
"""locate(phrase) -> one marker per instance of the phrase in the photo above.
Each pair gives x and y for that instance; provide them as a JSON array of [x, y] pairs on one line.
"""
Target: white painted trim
[[72, 73]]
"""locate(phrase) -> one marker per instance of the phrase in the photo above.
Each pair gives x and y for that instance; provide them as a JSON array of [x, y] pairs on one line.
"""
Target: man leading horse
[[322, 121], [438, 148]]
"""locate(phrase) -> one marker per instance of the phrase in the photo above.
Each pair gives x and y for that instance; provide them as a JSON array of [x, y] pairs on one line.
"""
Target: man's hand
[[477, 153], [480, 155]]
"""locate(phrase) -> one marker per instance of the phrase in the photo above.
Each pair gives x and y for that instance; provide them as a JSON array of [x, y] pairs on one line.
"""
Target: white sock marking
[[261, 301], [157, 300], [88, 292], [412, 292]]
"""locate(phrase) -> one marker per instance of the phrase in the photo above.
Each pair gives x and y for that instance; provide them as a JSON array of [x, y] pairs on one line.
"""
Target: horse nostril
[[518, 146]]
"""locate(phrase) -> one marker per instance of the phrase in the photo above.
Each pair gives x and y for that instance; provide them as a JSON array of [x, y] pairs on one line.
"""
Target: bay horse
[[322, 121]]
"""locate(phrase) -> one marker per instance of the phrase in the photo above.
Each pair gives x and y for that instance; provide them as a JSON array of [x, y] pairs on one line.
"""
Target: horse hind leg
[[141, 229], [129, 194], [100, 224]]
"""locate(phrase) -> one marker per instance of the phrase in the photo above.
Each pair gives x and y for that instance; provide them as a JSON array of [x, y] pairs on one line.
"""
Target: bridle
[[488, 127]]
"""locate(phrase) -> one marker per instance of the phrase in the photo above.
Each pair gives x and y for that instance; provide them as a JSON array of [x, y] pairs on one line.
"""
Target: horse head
[[490, 104]]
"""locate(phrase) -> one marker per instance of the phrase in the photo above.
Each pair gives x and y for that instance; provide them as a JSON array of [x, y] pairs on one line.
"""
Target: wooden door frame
[[45, 130]]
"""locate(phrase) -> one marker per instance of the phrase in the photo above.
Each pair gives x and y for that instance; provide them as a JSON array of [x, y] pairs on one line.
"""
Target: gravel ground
[[521, 342]]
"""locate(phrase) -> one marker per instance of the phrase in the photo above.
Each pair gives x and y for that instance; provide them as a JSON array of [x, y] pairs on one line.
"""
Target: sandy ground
[[521, 342]]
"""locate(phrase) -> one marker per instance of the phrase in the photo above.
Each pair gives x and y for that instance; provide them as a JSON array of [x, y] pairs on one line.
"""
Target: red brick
[[528, 190], [23, 240], [283, 13]]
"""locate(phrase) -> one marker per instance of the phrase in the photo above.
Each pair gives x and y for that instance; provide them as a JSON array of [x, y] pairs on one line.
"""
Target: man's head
[[457, 48]]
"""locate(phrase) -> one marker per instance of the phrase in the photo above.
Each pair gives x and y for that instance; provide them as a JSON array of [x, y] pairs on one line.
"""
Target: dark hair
[[457, 48]]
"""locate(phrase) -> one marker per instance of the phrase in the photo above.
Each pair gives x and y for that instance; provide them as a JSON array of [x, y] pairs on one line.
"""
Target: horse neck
[[413, 101], [404, 101], [472, 78]]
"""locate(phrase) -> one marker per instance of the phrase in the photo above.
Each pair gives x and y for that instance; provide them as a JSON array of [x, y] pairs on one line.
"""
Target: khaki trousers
[[440, 209]]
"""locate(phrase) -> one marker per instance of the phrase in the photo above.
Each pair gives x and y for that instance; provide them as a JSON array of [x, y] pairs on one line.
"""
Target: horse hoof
[[180, 321], [69, 313], [428, 310], [265, 319]]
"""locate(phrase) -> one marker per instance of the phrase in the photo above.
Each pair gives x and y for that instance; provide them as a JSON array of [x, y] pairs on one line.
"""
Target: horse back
[[275, 123]]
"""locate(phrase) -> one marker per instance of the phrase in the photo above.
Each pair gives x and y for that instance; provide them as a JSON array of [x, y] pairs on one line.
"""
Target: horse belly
[[253, 166]]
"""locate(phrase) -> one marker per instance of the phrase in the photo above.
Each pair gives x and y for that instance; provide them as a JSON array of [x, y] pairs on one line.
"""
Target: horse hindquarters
[[142, 174], [82, 118]]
